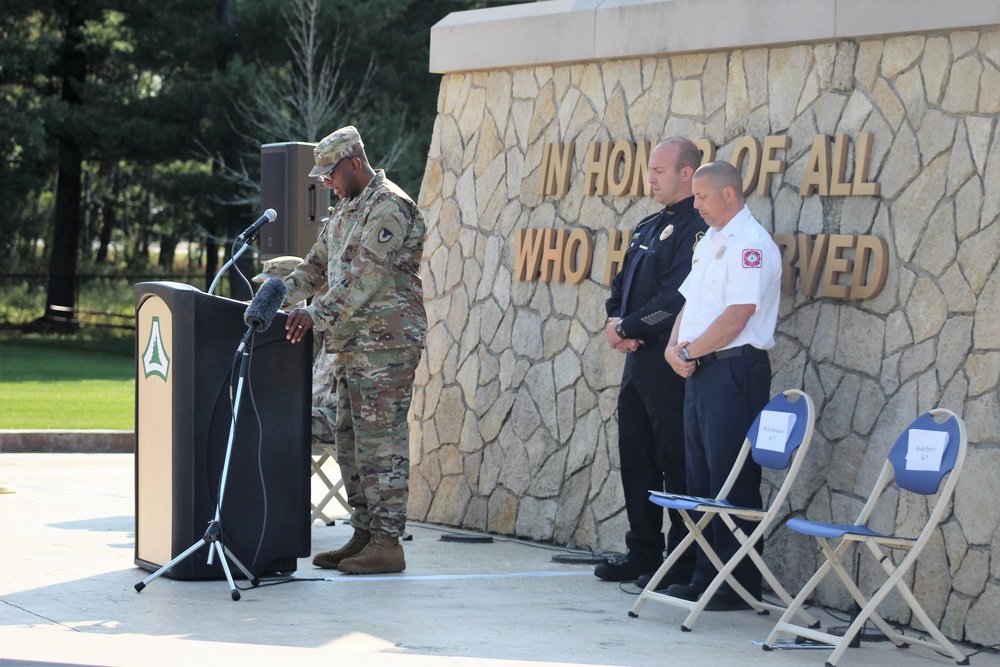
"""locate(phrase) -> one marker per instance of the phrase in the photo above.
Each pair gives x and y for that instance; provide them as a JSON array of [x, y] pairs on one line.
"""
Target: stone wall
[[514, 424]]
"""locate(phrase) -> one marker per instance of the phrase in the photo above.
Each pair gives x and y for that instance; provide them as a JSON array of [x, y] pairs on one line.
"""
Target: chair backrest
[[922, 456], [903, 466], [793, 402]]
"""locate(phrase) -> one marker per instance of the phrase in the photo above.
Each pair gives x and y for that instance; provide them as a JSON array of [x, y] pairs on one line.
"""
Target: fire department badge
[[751, 259]]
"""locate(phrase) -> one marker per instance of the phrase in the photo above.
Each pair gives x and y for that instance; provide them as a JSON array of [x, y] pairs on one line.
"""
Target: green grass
[[82, 381], [86, 381]]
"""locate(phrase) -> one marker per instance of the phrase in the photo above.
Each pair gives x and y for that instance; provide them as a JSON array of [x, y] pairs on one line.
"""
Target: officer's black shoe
[[690, 592], [726, 602], [668, 580], [625, 568]]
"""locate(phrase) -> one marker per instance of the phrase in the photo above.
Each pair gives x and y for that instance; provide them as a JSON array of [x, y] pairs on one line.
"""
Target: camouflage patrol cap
[[277, 267], [335, 147]]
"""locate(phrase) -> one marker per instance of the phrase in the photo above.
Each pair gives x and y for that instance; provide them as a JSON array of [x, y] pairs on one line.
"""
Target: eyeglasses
[[329, 175]]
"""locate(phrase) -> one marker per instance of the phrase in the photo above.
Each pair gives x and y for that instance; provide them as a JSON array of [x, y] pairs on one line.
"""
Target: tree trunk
[[229, 215], [107, 227], [211, 261], [168, 249], [60, 300], [109, 217]]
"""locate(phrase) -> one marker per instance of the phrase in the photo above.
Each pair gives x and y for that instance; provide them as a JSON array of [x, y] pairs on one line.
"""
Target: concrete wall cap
[[563, 31]]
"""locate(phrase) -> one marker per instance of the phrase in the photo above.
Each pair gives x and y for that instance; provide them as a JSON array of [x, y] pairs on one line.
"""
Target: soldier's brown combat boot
[[330, 560], [382, 555]]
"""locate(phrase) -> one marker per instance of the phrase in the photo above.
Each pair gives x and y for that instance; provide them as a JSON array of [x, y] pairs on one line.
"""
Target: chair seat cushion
[[679, 502], [830, 530]]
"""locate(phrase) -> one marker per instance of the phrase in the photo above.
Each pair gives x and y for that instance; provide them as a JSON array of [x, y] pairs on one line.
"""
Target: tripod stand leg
[[254, 581], [190, 550], [214, 536], [225, 568]]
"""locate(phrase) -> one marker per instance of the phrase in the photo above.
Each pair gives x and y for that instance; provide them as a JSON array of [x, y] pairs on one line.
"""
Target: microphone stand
[[213, 534], [230, 262]]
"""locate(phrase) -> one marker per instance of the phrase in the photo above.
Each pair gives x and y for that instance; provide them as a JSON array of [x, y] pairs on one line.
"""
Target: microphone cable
[[252, 566], [233, 379], [260, 447], [260, 474], [273, 581], [239, 271]]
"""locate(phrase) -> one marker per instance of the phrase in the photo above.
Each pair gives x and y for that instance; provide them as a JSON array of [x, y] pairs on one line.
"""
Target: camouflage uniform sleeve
[[383, 234], [309, 277]]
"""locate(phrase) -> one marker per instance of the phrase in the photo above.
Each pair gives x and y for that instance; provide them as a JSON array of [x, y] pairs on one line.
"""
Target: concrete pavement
[[67, 598]]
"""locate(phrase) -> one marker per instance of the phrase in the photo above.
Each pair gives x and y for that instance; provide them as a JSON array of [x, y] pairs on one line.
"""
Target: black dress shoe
[[690, 592], [668, 580], [727, 602], [625, 568]]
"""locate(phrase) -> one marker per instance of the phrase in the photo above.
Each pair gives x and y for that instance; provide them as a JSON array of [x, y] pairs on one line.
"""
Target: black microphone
[[269, 216], [265, 305]]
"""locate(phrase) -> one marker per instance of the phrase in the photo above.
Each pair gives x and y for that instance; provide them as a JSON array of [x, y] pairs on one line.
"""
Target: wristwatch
[[620, 331], [683, 354]]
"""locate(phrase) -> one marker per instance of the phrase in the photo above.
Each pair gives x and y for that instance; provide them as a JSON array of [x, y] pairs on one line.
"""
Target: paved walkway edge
[[66, 442]]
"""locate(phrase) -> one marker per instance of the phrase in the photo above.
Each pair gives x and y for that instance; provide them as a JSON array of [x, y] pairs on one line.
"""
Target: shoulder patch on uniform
[[698, 236], [384, 235], [752, 259]]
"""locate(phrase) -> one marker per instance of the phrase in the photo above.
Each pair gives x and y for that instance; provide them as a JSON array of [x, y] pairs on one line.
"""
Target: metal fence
[[102, 300]]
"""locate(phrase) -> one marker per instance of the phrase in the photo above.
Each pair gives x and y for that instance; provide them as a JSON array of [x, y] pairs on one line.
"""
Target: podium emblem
[[154, 359]]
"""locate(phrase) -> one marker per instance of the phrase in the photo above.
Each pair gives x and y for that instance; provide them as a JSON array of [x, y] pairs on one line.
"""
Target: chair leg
[[334, 492], [333, 487], [779, 590], [725, 575], [784, 624], [765, 571], [649, 593], [894, 580], [650, 590], [864, 603], [930, 628]]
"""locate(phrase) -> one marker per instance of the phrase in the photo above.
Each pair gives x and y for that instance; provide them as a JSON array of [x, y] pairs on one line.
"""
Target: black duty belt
[[726, 354]]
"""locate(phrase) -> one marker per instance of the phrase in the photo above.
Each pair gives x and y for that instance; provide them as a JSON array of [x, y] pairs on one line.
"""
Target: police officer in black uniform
[[644, 302]]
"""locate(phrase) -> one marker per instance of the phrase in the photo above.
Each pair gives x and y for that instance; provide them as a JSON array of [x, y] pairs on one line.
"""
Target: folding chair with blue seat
[[931, 447], [325, 449], [322, 454], [778, 439]]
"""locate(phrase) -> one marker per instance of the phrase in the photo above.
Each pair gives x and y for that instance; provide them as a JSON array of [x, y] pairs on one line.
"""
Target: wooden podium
[[186, 367]]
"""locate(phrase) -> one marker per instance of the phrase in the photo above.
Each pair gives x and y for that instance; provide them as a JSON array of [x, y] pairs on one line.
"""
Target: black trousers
[[721, 401], [651, 451]]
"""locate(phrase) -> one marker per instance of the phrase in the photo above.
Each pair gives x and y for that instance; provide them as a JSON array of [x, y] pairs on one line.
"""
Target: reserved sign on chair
[[775, 427], [924, 449]]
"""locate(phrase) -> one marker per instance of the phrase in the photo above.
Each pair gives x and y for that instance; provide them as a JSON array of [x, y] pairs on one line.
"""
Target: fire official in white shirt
[[719, 343]]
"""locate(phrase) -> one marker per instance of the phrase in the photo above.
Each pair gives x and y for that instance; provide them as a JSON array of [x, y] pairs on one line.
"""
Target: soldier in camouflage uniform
[[367, 257], [324, 401]]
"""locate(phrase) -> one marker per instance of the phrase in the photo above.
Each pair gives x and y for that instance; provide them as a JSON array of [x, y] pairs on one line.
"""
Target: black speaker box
[[302, 204]]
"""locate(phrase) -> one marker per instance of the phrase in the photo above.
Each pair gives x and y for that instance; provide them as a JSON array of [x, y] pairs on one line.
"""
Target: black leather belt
[[726, 354]]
